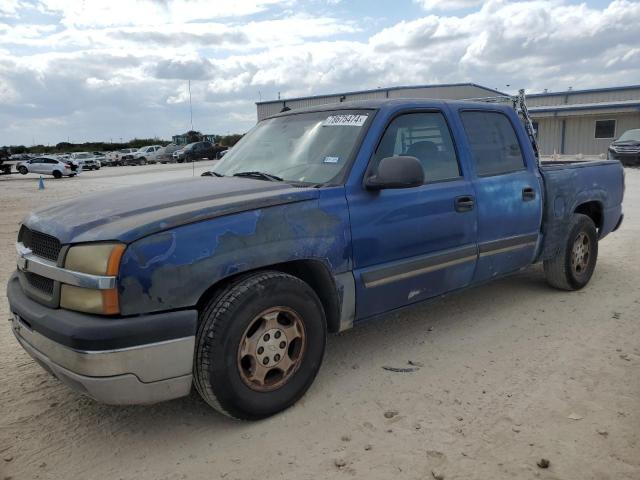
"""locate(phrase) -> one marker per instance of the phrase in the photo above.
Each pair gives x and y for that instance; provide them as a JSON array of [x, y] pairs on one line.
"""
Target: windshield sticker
[[331, 159], [345, 121]]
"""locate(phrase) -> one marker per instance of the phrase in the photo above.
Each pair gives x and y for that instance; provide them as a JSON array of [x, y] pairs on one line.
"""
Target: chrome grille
[[627, 149], [41, 244], [43, 284]]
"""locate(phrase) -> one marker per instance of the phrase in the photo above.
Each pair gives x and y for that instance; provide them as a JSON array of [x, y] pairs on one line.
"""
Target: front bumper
[[627, 159], [97, 357]]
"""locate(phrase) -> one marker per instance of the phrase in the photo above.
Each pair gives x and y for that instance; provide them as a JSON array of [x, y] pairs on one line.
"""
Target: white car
[[47, 166], [144, 155], [86, 160], [119, 157]]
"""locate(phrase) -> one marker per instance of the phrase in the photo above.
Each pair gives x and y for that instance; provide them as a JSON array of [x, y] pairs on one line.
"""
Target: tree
[[193, 136]]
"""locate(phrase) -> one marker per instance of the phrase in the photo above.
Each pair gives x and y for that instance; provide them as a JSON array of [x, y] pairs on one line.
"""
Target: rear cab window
[[493, 143]]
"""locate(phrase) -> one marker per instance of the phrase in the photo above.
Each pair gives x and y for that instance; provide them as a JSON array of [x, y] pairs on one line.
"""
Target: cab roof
[[395, 103]]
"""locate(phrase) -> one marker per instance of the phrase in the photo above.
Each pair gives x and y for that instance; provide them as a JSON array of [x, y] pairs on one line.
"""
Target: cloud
[[447, 4], [125, 75], [151, 12]]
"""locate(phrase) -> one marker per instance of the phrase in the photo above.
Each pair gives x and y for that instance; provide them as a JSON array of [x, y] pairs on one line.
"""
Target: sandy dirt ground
[[512, 372]]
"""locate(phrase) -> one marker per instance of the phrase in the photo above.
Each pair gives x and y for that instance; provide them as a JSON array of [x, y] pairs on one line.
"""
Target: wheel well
[[592, 210], [312, 272]]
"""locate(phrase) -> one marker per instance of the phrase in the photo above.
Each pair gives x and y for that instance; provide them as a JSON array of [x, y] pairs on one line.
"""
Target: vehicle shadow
[[351, 347]]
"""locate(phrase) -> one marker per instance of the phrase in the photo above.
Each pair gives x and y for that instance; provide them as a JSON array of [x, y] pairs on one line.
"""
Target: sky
[[106, 70]]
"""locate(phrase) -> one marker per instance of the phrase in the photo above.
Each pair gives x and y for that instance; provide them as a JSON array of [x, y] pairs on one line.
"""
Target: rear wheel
[[573, 265], [260, 344], [57, 174]]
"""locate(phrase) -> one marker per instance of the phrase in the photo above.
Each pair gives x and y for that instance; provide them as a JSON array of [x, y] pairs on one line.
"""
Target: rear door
[[51, 165], [508, 192]]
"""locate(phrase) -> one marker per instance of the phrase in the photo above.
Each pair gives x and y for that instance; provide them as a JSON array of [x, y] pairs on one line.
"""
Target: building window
[[605, 129]]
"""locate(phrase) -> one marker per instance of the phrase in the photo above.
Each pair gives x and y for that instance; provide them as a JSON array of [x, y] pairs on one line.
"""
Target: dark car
[[626, 148], [198, 151]]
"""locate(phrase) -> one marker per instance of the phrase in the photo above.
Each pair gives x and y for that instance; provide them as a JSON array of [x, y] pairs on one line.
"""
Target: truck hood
[[134, 212]]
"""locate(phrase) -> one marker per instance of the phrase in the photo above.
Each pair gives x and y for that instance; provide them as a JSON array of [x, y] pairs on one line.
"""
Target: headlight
[[99, 259]]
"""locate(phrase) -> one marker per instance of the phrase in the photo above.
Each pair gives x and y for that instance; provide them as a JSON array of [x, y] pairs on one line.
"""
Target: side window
[[425, 136], [493, 141], [51, 160]]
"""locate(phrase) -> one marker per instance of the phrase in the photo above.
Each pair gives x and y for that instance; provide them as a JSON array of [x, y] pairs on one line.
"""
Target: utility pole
[[190, 106]]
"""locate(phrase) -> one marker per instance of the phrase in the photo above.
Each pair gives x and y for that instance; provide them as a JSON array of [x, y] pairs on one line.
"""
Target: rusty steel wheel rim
[[271, 349], [580, 254]]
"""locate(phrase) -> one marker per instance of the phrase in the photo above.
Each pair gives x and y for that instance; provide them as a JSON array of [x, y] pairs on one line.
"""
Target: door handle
[[464, 203], [528, 194]]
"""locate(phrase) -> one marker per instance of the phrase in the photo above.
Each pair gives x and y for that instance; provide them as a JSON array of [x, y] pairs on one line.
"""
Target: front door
[[508, 194], [37, 165], [414, 243]]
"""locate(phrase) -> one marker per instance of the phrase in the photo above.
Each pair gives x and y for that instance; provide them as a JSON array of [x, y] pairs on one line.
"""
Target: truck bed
[[579, 186]]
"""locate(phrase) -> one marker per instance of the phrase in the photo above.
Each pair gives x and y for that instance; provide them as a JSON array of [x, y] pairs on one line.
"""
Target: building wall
[[580, 132], [452, 92]]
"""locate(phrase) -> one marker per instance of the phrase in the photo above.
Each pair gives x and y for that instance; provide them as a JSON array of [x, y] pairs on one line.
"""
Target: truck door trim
[[419, 265], [509, 244]]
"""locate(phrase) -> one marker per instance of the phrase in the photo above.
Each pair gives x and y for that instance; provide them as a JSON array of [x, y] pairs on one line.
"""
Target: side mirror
[[396, 172]]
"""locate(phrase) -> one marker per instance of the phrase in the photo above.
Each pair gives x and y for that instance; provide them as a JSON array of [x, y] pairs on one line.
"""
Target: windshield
[[307, 147], [630, 135]]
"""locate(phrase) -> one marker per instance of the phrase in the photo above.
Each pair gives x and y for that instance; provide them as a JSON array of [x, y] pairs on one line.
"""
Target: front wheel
[[573, 265], [23, 170], [259, 346]]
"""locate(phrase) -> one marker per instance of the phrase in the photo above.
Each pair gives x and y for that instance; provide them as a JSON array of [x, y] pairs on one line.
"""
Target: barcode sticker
[[345, 121]]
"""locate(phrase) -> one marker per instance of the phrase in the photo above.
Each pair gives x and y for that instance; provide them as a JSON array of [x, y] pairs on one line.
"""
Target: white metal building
[[455, 91], [583, 121], [570, 122]]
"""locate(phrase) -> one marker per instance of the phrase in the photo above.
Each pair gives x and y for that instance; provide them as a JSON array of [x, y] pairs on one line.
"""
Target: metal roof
[[387, 89], [585, 106], [589, 90]]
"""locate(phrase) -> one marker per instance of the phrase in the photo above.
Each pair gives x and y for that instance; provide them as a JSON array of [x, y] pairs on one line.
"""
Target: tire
[[23, 170], [573, 266], [57, 174], [236, 314]]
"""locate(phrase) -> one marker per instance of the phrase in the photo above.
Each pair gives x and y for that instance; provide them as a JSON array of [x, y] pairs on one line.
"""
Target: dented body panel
[[172, 269]]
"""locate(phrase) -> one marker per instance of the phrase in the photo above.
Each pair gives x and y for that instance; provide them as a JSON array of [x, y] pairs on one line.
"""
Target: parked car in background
[[48, 166], [165, 155], [20, 157], [198, 151], [144, 155], [626, 148], [118, 157], [86, 161]]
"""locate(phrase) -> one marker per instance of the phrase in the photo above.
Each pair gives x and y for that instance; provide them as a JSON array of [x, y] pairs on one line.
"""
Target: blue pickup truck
[[315, 221]]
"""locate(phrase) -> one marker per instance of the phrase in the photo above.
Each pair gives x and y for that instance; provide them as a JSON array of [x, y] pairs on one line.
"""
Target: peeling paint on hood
[[134, 212]]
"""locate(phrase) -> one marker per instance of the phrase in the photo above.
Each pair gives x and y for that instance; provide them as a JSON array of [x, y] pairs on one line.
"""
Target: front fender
[[173, 269]]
